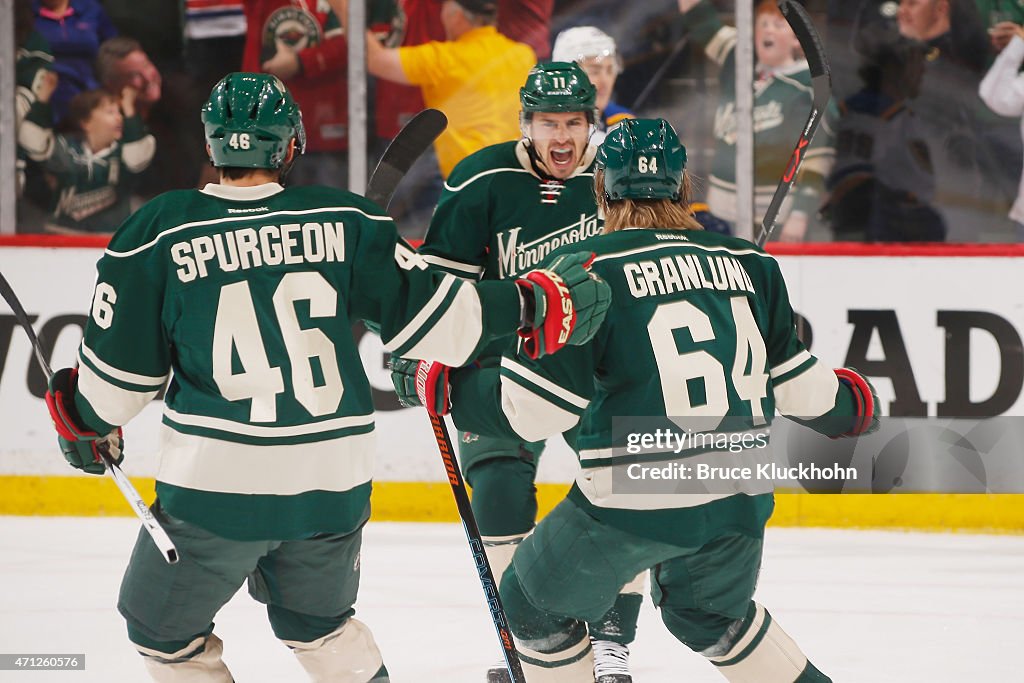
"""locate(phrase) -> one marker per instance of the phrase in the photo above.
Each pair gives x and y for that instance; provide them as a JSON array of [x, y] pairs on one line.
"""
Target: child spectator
[[782, 98], [74, 30], [94, 169]]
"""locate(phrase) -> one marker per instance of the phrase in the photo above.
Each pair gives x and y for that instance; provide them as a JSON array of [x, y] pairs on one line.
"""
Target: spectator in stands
[[883, 183], [527, 21], [214, 40], [35, 83], [74, 30], [121, 63], [95, 167], [1001, 17], [976, 155], [1002, 90], [595, 51], [933, 22], [301, 42], [782, 98], [473, 77], [410, 22]]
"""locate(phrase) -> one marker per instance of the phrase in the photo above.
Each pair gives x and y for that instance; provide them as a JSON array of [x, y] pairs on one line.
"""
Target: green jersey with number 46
[[700, 328], [245, 296], [497, 218]]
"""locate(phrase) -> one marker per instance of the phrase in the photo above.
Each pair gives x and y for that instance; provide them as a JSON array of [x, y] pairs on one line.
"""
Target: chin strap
[[537, 164]]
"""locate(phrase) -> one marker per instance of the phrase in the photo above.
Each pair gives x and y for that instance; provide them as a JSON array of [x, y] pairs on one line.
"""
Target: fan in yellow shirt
[[473, 77]]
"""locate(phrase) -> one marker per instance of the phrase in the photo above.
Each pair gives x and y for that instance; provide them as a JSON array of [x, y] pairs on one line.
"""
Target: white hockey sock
[[346, 655], [574, 664], [499, 551], [637, 585], [763, 654], [198, 662]]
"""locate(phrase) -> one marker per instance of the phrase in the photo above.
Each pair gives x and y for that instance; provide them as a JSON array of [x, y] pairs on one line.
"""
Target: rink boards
[[939, 327]]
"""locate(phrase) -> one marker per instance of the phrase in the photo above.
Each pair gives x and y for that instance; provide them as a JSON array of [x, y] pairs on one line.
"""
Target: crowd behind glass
[[921, 143]]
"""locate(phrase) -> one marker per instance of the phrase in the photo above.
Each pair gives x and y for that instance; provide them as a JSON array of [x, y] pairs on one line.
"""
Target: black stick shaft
[[476, 546], [821, 84]]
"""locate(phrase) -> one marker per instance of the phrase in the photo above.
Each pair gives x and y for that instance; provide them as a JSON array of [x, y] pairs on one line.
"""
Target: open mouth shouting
[[562, 158]]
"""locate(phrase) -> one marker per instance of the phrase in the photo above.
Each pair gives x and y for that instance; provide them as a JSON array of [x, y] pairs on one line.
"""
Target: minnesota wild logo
[[291, 27]]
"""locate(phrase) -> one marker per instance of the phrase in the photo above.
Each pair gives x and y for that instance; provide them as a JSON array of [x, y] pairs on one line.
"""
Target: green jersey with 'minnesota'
[[700, 325], [498, 219], [247, 295]]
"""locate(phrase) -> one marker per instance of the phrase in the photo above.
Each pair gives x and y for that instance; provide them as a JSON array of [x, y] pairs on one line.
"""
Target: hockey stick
[[411, 142], [476, 546], [400, 155], [149, 523], [821, 83]]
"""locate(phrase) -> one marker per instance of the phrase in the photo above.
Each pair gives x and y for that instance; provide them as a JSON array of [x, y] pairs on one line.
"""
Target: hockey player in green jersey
[[247, 291], [700, 326], [503, 210], [782, 98]]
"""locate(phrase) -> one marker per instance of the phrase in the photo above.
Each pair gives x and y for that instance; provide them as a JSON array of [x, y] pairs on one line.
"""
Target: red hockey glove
[[562, 304], [81, 447], [422, 383], [865, 401]]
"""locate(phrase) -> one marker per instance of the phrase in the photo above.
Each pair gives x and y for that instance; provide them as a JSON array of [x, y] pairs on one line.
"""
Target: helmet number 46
[[647, 164], [239, 141]]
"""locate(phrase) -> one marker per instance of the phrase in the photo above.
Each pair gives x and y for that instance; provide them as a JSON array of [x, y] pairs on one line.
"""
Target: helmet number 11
[[647, 164], [239, 141]]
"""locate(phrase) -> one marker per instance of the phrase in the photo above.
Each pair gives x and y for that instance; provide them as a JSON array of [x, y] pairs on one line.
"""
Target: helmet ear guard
[[642, 159], [250, 119]]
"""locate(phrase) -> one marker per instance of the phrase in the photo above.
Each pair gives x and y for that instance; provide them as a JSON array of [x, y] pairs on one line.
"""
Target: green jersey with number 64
[[245, 298], [700, 328]]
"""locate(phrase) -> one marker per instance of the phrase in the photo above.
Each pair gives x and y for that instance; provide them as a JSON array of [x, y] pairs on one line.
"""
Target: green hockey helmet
[[642, 159], [250, 118], [558, 87]]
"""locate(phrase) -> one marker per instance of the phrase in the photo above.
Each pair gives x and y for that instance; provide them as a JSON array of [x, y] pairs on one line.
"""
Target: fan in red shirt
[[301, 42]]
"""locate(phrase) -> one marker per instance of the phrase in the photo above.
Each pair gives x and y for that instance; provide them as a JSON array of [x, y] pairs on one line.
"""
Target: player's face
[[920, 19], [104, 125], [774, 41], [602, 72], [560, 139]]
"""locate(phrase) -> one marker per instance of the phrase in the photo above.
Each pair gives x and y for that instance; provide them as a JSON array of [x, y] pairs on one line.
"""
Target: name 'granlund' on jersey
[[269, 245], [680, 273]]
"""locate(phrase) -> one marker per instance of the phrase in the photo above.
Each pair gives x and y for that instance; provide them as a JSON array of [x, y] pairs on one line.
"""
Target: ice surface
[[867, 607]]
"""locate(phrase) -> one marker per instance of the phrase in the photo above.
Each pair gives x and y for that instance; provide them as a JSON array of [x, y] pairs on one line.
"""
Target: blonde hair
[[662, 214]]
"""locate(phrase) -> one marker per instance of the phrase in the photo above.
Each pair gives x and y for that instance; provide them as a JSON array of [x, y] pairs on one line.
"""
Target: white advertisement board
[[938, 335]]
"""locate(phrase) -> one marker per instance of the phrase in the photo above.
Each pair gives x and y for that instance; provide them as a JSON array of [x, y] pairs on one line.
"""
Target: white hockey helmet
[[580, 42]]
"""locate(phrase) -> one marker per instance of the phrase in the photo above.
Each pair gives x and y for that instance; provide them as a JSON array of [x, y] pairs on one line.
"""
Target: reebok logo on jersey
[[252, 210]]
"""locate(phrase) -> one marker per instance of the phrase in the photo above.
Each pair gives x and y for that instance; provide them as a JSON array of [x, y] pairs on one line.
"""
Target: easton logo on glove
[[558, 300]]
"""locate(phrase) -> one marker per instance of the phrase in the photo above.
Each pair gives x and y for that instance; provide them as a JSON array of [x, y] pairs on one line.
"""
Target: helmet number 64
[[647, 164], [239, 141]]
